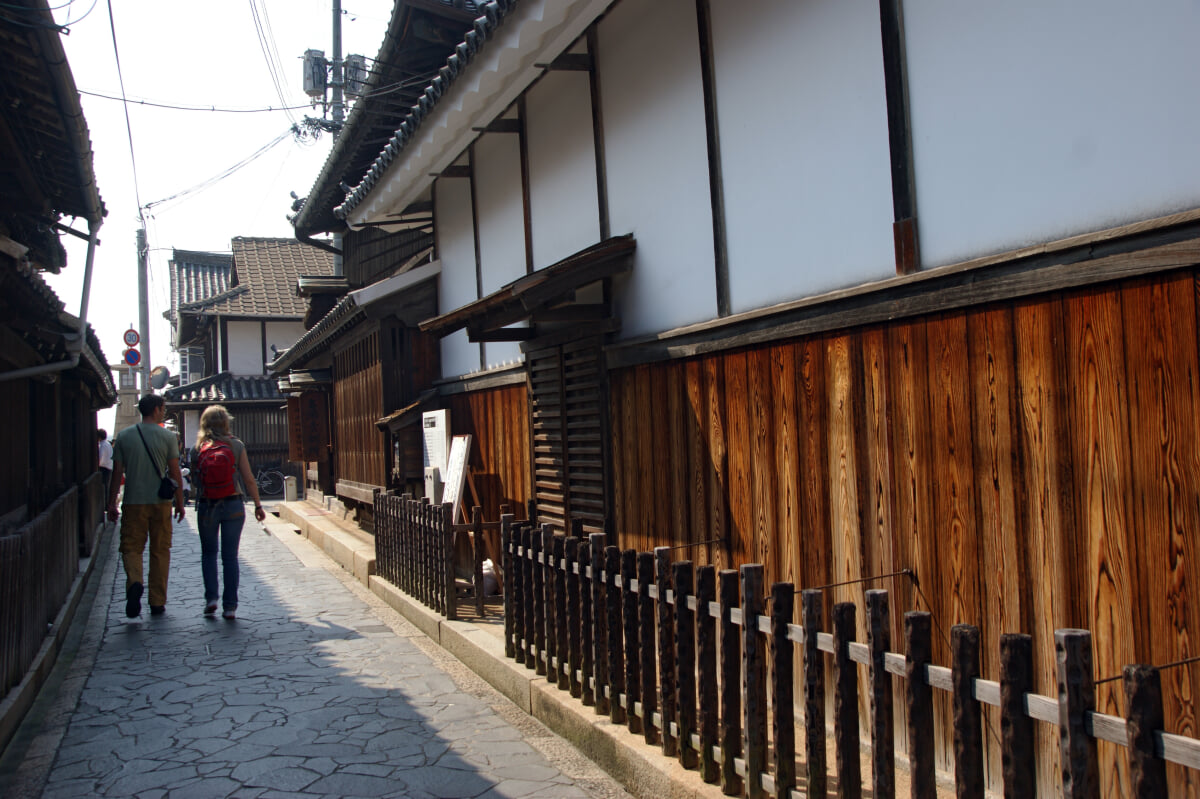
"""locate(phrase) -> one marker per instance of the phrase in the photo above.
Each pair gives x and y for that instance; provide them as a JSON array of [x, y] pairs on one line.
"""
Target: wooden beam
[[598, 141], [454, 171], [502, 334], [572, 313], [569, 62], [716, 181], [904, 191], [508, 125]]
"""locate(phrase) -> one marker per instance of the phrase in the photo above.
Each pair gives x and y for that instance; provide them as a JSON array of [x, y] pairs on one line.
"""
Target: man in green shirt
[[142, 454]]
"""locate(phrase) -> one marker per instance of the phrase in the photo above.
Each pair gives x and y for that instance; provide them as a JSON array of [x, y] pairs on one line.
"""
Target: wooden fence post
[[646, 614], [571, 553], [561, 622], [1143, 717], [666, 648], [614, 602], [845, 703], [1018, 753], [528, 562], [447, 526], [536, 539], [587, 625], [685, 661], [783, 722], [706, 669], [754, 681], [918, 629], [1076, 698], [477, 557], [883, 748], [968, 718], [521, 597], [812, 604], [731, 685], [550, 569], [600, 586], [506, 563], [633, 673]]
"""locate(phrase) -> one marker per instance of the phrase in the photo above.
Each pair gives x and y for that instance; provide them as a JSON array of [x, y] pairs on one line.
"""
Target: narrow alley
[[317, 689]]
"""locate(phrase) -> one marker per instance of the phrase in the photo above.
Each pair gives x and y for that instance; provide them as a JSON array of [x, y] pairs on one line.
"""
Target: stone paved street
[[317, 689]]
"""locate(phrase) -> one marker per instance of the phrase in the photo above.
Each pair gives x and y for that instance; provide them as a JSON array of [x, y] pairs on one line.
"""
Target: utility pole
[[337, 79], [144, 306]]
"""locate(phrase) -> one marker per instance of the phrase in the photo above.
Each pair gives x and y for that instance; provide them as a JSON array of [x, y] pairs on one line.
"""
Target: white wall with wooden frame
[[282, 334], [245, 347], [499, 205], [803, 133], [455, 235], [564, 206], [656, 160], [1033, 121]]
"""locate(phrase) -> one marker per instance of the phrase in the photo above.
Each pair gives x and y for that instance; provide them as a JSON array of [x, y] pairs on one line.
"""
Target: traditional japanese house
[[53, 373], [363, 372], [231, 315], [847, 289]]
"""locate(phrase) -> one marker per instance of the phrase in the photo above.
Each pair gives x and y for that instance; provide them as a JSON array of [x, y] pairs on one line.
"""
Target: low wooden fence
[[414, 549], [38, 563], [693, 658]]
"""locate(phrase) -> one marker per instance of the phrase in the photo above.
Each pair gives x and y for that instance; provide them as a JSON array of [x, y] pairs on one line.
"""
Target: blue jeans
[[220, 522]]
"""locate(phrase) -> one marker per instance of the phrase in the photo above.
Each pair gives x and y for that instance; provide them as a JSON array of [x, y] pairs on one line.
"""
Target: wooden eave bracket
[[569, 62]]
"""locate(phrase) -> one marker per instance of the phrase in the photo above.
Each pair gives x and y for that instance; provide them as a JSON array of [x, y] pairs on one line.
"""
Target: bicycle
[[270, 481]]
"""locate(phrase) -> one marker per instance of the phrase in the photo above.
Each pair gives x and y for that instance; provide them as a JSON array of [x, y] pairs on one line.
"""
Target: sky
[[192, 55]]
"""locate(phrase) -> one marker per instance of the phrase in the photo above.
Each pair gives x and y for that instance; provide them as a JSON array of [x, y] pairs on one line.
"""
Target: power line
[[270, 53], [208, 108], [112, 26], [204, 184]]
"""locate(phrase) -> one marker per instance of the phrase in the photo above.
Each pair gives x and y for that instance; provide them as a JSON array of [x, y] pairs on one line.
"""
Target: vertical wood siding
[[358, 405], [498, 422], [1035, 463]]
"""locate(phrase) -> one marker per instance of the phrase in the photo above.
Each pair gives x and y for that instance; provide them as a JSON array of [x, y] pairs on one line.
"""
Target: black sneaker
[[133, 600], [158, 610]]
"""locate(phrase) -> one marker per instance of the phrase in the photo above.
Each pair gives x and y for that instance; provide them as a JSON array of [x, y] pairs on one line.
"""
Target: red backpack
[[217, 467]]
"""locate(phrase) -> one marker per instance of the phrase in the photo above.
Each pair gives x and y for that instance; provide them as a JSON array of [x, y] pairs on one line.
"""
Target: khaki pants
[[137, 523]]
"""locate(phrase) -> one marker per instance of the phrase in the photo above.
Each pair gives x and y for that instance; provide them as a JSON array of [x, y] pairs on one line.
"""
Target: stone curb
[[20, 698], [641, 769]]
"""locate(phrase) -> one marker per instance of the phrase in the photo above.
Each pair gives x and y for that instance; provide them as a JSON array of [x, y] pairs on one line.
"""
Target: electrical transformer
[[314, 73], [355, 74]]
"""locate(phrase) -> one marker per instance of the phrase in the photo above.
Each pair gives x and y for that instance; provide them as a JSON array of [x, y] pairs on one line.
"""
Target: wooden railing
[[682, 656], [38, 563], [414, 549]]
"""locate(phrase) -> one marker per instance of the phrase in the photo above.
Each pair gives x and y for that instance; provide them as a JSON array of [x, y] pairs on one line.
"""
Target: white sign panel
[[460, 451], [435, 431]]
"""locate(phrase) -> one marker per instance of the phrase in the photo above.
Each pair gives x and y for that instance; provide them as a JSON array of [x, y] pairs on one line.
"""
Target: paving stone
[[317, 689]]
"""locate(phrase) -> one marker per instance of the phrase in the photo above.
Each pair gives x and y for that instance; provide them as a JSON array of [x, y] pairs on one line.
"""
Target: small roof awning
[[410, 414], [544, 288]]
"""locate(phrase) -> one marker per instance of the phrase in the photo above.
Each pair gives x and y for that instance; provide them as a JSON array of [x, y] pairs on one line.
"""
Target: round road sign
[[133, 357], [131, 338]]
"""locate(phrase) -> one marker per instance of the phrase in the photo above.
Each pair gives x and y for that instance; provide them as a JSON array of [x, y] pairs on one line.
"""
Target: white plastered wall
[[804, 147], [562, 167], [499, 201], [1039, 119], [245, 348], [657, 163], [456, 284]]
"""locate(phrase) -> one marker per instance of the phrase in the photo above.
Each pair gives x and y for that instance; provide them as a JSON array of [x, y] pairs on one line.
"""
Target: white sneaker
[[229, 613]]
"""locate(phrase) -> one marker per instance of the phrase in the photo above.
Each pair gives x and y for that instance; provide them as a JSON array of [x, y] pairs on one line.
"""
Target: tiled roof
[[226, 388], [197, 276], [263, 279], [491, 17]]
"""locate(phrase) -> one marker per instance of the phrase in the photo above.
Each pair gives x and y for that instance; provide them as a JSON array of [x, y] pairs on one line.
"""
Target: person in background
[[105, 463], [222, 480], [142, 453]]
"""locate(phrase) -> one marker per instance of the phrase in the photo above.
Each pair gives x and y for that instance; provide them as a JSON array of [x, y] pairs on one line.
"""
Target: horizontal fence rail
[[703, 664]]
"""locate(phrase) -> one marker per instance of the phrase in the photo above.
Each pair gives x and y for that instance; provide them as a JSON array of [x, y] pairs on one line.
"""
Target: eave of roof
[[46, 91], [349, 311], [520, 38], [361, 137], [226, 387], [518, 299]]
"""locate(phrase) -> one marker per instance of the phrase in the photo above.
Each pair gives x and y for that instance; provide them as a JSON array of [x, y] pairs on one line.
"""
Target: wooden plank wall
[[498, 422], [1036, 463], [357, 405]]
